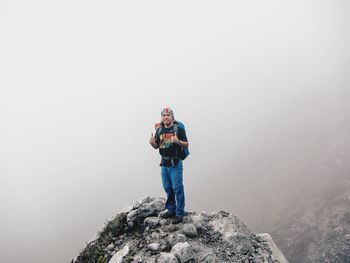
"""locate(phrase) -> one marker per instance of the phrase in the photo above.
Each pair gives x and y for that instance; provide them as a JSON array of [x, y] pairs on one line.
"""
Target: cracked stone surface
[[138, 234]]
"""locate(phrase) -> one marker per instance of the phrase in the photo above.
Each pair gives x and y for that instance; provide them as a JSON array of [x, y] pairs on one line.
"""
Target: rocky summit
[[139, 234]]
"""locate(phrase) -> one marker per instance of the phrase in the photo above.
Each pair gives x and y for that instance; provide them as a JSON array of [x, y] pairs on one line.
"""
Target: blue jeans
[[173, 186]]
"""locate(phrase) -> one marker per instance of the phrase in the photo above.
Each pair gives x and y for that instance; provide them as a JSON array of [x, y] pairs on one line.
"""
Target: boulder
[[166, 258], [153, 247], [175, 238], [151, 222], [189, 230], [120, 255], [183, 252]]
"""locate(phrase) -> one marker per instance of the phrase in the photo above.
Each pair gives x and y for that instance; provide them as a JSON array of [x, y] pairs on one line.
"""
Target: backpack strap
[[176, 129]]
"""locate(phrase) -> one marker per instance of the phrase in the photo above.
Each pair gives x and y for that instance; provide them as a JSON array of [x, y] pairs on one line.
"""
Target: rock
[[151, 222], [165, 247], [148, 239], [189, 230], [132, 215], [127, 209], [158, 204], [120, 255], [155, 235], [163, 235], [166, 258], [137, 259], [197, 219], [176, 238], [162, 222], [152, 208], [183, 252], [109, 247], [171, 228], [153, 246], [162, 213], [142, 236], [233, 231], [239, 243], [276, 252], [208, 258], [143, 200], [145, 211]]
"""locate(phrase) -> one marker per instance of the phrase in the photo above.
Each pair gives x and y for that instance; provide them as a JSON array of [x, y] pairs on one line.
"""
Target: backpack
[[184, 152]]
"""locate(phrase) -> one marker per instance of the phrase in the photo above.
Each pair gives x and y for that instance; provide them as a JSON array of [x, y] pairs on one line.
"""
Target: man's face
[[167, 118]]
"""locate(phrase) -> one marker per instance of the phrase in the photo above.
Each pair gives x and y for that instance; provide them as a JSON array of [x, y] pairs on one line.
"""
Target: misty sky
[[263, 89]]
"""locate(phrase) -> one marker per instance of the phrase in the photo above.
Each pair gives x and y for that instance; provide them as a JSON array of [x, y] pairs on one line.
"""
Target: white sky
[[260, 87]]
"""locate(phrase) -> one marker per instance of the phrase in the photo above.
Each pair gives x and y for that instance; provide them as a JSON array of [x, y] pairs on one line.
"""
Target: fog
[[263, 89]]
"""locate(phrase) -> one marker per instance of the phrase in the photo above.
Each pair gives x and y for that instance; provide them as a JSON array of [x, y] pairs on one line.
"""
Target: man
[[171, 142]]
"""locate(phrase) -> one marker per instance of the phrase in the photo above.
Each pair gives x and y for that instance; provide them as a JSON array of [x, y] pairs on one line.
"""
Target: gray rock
[[276, 252], [208, 258], [155, 235], [171, 228], [163, 235], [189, 230], [109, 247], [145, 211], [158, 204], [183, 252], [153, 246], [132, 215], [148, 239], [162, 222], [166, 258], [233, 231], [137, 259], [152, 208], [127, 209], [151, 222], [198, 220], [165, 247], [143, 200], [220, 237], [176, 238], [120, 255], [239, 243], [162, 213]]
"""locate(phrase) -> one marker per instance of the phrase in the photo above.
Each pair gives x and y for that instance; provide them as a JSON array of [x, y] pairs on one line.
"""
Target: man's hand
[[174, 139], [153, 142]]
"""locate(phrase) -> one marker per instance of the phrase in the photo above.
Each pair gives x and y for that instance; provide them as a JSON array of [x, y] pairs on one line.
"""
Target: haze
[[263, 89]]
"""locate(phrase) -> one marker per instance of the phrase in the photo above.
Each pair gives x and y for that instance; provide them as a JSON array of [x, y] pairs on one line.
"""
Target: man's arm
[[182, 141], [153, 142]]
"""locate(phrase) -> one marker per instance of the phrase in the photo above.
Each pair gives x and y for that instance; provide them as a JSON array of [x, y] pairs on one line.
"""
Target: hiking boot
[[167, 215], [177, 220]]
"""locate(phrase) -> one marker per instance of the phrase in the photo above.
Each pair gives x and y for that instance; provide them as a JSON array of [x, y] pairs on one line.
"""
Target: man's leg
[[166, 181], [177, 183]]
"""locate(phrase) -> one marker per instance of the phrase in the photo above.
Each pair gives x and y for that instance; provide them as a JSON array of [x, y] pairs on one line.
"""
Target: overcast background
[[262, 87]]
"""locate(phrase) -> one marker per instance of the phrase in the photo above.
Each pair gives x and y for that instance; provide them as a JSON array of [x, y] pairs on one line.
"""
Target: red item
[[157, 125]]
